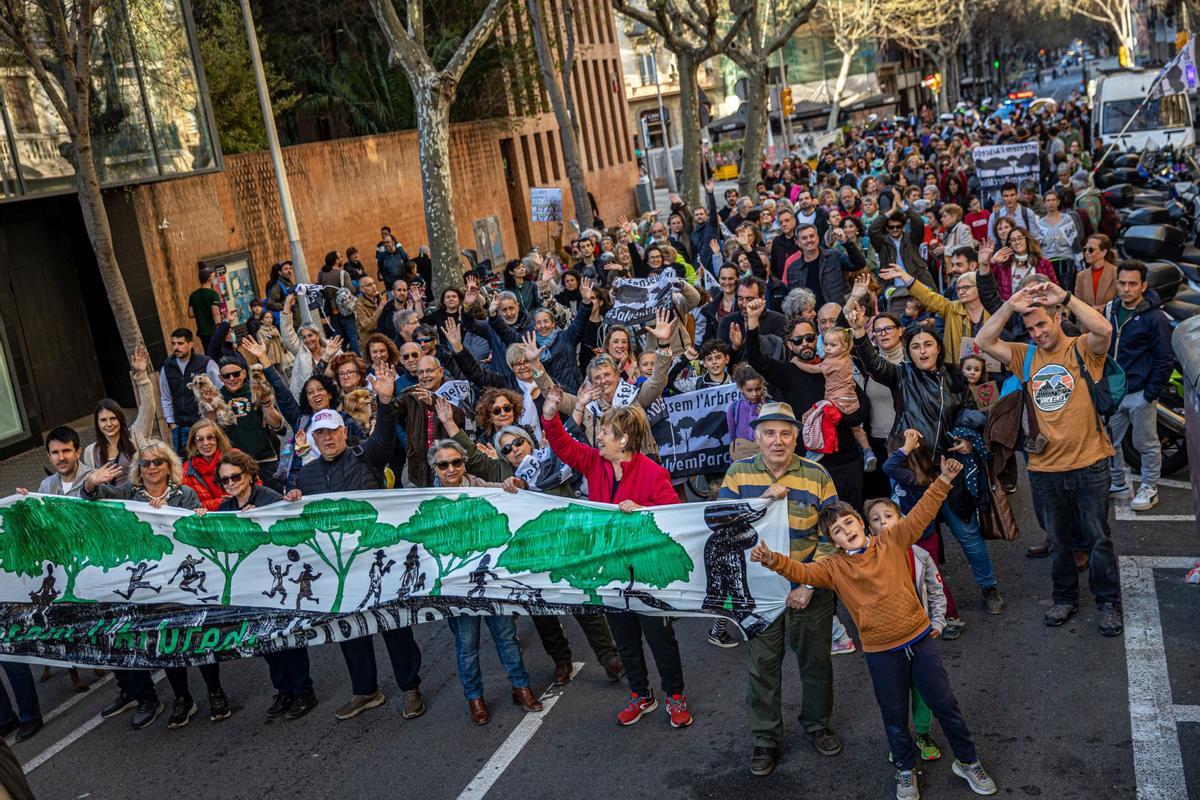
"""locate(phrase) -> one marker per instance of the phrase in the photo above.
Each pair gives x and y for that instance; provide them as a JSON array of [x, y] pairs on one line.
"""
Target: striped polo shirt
[[810, 489]]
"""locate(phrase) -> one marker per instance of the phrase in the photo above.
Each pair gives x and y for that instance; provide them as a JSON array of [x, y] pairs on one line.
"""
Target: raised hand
[[532, 351], [332, 348], [623, 223], [472, 293], [554, 396], [1023, 299], [753, 309], [1048, 293], [912, 440], [587, 293], [709, 186], [760, 553], [987, 249], [549, 271], [862, 286], [715, 246], [893, 271], [140, 360], [856, 319], [254, 348], [664, 324], [736, 337], [445, 411], [453, 333], [587, 393], [951, 467], [385, 383]]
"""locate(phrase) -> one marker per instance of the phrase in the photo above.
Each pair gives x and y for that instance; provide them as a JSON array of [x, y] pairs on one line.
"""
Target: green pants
[[808, 633], [922, 714]]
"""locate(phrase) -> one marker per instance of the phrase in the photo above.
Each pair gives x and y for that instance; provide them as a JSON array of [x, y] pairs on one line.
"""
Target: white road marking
[[516, 741], [1157, 760], [1173, 484], [77, 734], [76, 698], [1126, 514]]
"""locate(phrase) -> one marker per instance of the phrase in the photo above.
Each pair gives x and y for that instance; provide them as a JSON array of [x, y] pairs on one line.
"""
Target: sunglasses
[[227, 375], [505, 409], [424, 339], [1092, 250], [895, 227], [454, 463], [146, 463], [206, 438], [508, 448], [410, 356], [808, 337], [225, 480]]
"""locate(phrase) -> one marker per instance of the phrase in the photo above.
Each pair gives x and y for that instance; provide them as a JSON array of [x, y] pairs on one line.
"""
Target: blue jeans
[[179, 438], [20, 677], [894, 675], [970, 537], [466, 651], [347, 328], [1070, 503]]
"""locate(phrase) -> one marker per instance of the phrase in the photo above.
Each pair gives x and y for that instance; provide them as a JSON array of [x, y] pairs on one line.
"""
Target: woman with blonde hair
[[205, 444]]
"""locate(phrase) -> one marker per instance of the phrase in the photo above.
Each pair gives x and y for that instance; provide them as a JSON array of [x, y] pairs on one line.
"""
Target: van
[[1164, 121]]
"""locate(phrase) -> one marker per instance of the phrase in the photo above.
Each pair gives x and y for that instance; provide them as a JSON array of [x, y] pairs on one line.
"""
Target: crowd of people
[[899, 341]]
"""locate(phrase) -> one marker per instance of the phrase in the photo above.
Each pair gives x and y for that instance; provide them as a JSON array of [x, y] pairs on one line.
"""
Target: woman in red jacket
[[617, 472], [205, 444]]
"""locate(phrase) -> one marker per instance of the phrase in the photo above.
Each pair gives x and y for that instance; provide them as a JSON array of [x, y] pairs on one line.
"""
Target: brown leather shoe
[[523, 697], [562, 674], [414, 704], [615, 670], [1037, 551], [1081, 561], [479, 712]]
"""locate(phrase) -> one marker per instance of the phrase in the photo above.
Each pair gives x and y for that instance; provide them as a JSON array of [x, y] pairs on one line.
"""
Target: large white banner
[[125, 585]]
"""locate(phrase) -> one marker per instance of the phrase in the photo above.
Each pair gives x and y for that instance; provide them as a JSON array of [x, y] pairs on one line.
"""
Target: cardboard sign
[[986, 395]]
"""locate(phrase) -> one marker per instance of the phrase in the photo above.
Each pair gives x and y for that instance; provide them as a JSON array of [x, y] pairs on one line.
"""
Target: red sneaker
[[638, 706], [678, 711]]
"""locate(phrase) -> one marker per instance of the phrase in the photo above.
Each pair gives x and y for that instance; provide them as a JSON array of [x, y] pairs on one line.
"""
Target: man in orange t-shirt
[[1069, 477]]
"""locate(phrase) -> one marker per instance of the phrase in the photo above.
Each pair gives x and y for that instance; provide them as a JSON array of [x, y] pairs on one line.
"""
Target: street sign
[[546, 202]]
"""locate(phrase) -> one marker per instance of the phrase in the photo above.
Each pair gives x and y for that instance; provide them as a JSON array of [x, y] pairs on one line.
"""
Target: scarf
[[206, 470], [546, 342], [530, 417], [895, 355]]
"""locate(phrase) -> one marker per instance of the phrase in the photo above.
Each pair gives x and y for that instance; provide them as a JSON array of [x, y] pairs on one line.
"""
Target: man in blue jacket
[[1141, 344], [706, 227]]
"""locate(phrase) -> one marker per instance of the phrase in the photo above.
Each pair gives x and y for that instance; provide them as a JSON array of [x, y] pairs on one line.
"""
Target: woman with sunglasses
[[156, 477], [289, 669], [117, 440], [206, 442], [1096, 283]]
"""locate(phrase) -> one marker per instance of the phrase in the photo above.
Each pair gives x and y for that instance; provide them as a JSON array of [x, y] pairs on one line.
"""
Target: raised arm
[[379, 446], [143, 425], [910, 527], [876, 365], [576, 455]]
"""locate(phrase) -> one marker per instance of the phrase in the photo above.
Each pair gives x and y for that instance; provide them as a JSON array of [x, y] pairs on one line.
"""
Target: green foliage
[[225, 55], [75, 535], [459, 530], [330, 522], [224, 539], [589, 548]]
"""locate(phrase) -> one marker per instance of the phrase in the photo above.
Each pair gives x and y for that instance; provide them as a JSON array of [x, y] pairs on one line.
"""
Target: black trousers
[[628, 630], [177, 676], [290, 671], [136, 683], [403, 651], [554, 638]]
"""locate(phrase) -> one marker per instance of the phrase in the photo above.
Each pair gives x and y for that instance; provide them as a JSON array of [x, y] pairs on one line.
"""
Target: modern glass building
[[150, 121]]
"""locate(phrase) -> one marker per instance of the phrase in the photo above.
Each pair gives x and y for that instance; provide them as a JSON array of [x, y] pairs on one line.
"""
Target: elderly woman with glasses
[[155, 477], [448, 460], [205, 444]]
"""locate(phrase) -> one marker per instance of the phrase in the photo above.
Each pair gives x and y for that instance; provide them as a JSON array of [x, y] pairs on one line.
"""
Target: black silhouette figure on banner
[[277, 575], [305, 580], [378, 570], [45, 595], [193, 579], [479, 577], [727, 589], [413, 580], [137, 580], [645, 597], [519, 592]]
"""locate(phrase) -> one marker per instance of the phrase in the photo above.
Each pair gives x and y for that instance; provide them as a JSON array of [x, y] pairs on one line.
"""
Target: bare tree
[[913, 24], [1118, 15], [695, 33], [48, 37], [751, 50], [956, 21], [563, 109], [434, 89]]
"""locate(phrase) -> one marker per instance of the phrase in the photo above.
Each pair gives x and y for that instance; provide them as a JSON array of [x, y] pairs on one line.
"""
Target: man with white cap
[[805, 626]]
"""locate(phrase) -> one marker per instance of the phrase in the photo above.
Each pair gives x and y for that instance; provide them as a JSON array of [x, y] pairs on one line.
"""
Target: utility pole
[[281, 181], [662, 123]]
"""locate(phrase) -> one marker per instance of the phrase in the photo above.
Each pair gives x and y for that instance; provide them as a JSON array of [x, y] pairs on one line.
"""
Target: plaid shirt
[[810, 489]]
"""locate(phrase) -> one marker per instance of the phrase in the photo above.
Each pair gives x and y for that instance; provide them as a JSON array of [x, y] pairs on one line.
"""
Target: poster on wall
[[489, 243], [547, 202], [233, 280]]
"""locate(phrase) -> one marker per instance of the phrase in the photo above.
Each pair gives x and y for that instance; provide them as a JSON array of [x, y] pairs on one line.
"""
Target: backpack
[[1108, 392], [1110, 223], [1030, 438], [346, 302]]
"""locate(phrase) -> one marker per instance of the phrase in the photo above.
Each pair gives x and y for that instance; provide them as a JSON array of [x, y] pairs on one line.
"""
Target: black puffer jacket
[[929, 401], [357, 468]]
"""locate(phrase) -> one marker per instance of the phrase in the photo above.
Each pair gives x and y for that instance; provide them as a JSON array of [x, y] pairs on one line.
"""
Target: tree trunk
[[95, 221], [433, 100], [566, 131], [839, 87], [943, 101], [757, 91], [952, 79], [689, 129]]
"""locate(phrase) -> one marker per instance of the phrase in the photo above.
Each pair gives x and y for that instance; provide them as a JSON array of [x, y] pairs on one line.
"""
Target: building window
[[648, 69]]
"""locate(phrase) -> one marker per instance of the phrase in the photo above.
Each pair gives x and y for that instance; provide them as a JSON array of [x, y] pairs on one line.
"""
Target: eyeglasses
[[886, 329], [203, 438], [347, 373], [424, 339], [504, 409], [808, 337], [513, 445], [229, 375], [225, 480], [453, 463], [146, 463]]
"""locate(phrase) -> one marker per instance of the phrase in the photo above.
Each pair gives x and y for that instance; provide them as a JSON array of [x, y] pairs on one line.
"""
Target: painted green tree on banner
[[590, 547], [224, 539], [456, 532], [330, 522], [75, 535]]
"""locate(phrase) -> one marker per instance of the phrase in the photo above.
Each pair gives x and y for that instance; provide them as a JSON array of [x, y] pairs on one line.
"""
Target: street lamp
[[662, 123]]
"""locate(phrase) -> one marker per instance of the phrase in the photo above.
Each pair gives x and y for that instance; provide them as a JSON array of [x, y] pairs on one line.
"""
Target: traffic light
[[785, 100], [996, 64]]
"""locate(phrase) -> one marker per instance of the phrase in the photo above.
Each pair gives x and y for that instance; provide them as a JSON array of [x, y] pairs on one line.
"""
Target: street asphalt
[[1049, 708]]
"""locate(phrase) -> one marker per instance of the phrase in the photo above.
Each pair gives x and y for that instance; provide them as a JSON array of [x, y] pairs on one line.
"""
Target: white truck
[[1164, 121]]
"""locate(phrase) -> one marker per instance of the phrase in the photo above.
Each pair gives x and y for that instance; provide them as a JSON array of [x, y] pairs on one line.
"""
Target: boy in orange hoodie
[[871, 578]]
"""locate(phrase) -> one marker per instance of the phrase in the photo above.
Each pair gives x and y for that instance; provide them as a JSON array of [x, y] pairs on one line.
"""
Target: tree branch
[[474, 40], [412, 57]]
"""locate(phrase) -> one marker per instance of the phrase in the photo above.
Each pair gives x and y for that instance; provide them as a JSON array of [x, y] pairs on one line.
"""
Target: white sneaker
[[1146, 498], [906, 785], [975, 776], [1122, 492], [842, 646]]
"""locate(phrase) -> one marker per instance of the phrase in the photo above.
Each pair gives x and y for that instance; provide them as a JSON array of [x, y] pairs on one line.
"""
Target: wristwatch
[[1067, 300], [537, 373]]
